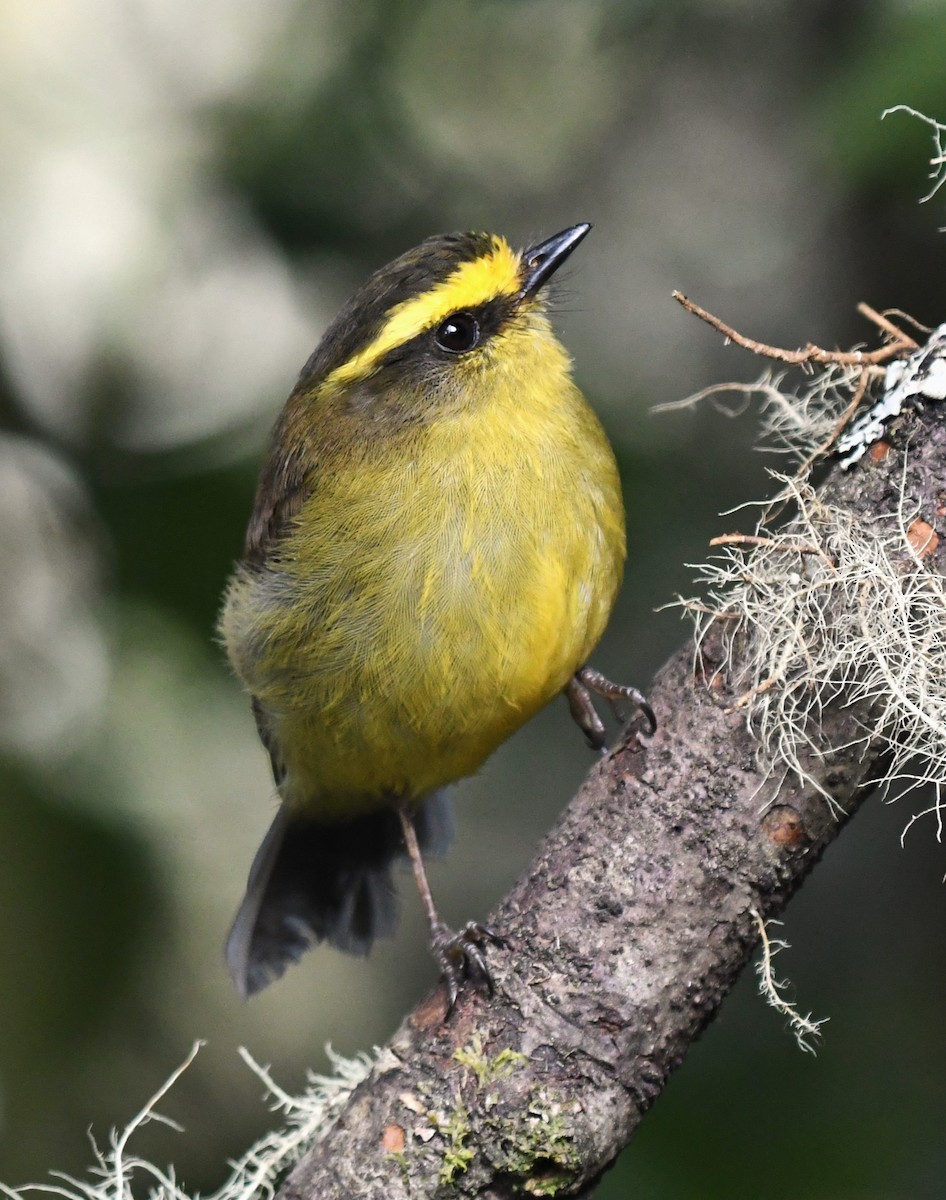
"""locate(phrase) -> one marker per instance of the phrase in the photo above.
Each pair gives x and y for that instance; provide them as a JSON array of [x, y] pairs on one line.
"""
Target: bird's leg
[[578, 691], [459, 955]]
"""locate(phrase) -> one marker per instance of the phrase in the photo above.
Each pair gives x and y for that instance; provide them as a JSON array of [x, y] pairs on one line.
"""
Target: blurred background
[[190, 190]]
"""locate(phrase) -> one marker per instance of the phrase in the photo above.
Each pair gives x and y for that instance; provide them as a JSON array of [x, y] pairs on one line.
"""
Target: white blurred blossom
[[54, 663], [116, 246]]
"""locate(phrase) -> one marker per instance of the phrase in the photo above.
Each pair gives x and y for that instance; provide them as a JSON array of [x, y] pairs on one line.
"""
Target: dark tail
[[313, 882]]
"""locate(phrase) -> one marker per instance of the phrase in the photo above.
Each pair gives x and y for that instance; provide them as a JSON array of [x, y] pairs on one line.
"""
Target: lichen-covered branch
[[637, 914]]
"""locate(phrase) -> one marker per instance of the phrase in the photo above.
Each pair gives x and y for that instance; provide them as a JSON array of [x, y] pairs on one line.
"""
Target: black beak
[[541, 261]]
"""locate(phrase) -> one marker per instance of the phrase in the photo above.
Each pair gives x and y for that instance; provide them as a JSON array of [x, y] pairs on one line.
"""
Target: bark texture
[[625, 935]]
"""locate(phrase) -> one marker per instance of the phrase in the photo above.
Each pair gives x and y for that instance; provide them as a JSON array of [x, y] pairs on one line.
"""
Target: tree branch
[[629, 928]]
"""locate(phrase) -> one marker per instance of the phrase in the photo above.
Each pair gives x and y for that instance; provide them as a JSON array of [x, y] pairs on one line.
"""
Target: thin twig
[[806, 355], [905, 316], [883, 322], [859, 393]]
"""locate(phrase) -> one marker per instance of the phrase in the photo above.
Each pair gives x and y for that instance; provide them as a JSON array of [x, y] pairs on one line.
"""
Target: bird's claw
[[578, 691], [461, 957]]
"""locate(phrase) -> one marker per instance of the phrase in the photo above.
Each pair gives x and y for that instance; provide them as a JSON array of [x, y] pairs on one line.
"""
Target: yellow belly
[[426, 608]]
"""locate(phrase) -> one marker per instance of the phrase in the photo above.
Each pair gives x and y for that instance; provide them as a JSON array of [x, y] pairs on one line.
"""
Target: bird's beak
[[541, 261]]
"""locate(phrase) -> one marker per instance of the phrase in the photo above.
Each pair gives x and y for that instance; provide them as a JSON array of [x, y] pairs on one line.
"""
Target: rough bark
[[625, 935]]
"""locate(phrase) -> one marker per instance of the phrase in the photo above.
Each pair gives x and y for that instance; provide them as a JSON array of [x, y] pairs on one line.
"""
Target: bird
[[435, 548]]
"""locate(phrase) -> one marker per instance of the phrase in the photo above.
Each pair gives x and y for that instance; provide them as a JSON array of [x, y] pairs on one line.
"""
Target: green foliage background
[[190, 190]]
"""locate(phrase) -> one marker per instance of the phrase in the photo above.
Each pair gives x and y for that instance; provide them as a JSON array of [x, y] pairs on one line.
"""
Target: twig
[[883, 322], [808, 354], [859, 393], [905, 316]]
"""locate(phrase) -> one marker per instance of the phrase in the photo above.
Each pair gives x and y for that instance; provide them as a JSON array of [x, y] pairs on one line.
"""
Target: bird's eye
[[458, 332]]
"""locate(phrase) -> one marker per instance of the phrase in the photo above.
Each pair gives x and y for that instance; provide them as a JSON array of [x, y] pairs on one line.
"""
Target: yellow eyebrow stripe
[[497, 273]]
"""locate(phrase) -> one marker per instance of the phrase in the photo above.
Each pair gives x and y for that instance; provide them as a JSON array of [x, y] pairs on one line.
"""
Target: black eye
[[458, 332]]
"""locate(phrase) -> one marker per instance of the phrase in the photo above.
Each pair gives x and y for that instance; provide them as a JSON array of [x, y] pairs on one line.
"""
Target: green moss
[[540, 1149], [457, 1155], [486, 1069], [535, 1149]]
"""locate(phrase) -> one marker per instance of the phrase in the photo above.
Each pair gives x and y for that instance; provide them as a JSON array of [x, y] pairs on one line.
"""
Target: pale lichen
[[120, 1174]]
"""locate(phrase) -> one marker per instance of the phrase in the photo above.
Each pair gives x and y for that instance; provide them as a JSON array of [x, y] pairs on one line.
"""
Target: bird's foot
[[578, 691], [461, 957]]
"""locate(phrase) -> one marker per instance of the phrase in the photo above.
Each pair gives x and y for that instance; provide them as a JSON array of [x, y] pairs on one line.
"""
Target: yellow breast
[[445, 592]]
